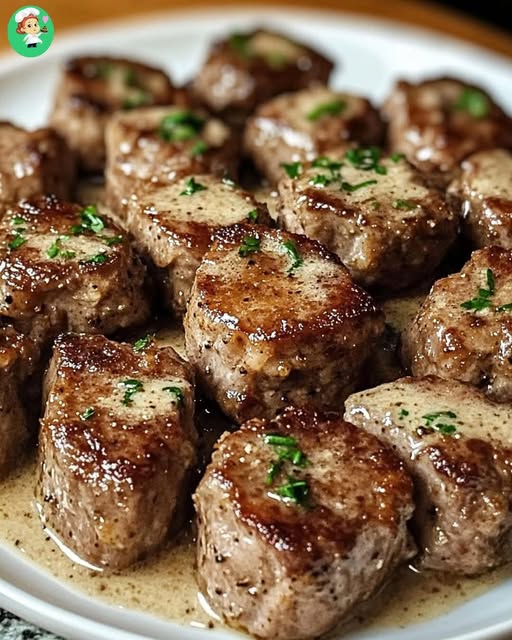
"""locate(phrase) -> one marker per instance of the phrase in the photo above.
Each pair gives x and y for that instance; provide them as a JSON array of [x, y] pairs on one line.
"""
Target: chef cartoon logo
[[30, 31]]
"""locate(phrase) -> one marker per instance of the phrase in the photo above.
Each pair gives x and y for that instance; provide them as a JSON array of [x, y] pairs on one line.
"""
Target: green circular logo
[[30, 31]]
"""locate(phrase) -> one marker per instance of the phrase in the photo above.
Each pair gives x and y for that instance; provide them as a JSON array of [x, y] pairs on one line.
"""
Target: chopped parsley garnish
[[275, 59], [320, 180], [16, 242], [474, 102], [250, 244], [177, 392], [17, 220], [91, 221], [143, 343], [431, 420], [367, 159], [293, 169], [103, 69], [292, 251], [396, 157], [55, 250], [294, 490], [331, 108], [191, 187], [138, 99], [375, 204], [112, 240], [483, 299], [199, 148], [180, 126], [239, 42], [131, 388], [99, 258], [253, 215], [287, 450], [403, 414], [346, 186], [404, 205], [88, 413], [131, 78]]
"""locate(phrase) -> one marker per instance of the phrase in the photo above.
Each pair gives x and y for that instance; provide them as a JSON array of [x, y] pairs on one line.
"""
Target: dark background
[[495, 12]]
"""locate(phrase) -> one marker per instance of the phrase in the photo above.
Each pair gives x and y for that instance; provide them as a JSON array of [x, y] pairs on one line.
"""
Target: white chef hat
[[29, 11]]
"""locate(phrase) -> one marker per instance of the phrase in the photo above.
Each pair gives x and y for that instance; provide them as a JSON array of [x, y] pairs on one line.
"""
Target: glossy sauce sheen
[[410, 598]]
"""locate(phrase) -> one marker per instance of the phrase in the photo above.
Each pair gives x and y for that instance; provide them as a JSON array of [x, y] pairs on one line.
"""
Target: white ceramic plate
[[370, 55]]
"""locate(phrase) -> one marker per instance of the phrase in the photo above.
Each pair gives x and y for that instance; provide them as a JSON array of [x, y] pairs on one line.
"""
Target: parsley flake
[[99, 258], [404, 205], [331, 108], [87, 414], [143, 343], [55, 250], [180, 126], [346, 186], [90, 221], [191, 187], [253, 215], [444, 428], [367, 159], [293, 253], [199, 148], [474, 102], [250, 244], [177, 392], [293, 169], [295, 491], [17, 242], [483, 299], [396, 157], [138, 99], [131, 388]]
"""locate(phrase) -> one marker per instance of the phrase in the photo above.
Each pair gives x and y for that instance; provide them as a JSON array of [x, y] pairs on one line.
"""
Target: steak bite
[[457, 446], [247, 69], [462, 331], [483, 194], [117, 443], [299, 519], [438, 122], [65, 268], [157, 146], [91, 89], [18, 360], [376, 212], [173, 225], [303, 125], [274, 319], [33, 163]]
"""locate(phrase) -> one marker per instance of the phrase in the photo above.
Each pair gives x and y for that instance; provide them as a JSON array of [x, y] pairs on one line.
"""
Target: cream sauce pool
[[410, 598]]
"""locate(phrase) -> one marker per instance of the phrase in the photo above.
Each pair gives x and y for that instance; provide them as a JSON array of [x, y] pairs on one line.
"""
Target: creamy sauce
[[410, 598], [165, 584]]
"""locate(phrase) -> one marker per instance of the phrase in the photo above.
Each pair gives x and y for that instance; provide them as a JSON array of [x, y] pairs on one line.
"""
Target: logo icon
[[30, 31]]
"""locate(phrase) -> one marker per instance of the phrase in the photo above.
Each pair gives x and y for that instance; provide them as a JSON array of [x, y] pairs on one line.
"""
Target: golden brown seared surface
[[274, 318], [18, 361], [248, 68], [306, 124], [117, 442], [173, 225], [33, 163], [375, 211], [292, 568], [90, 89], [457, 445], [483, 194], [157, 146], [438, 122], [462, 331], [62, 267]]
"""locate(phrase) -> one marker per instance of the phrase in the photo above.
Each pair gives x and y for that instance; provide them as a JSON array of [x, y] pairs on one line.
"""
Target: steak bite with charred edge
[[457, 445], [273, 319], [300, 519], [116, 447]]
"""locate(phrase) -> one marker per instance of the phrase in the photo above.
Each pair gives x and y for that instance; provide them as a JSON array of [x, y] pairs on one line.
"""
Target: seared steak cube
[[33, 163], [246, 69], [18, 359], [300, 518], [462, 331], [273, 319], [158, 146], [173, 225], [117, 442], [483, 194], [375, 211], [64, 267], [456, 444], [438, 122], [92, 88], [303, 125]]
